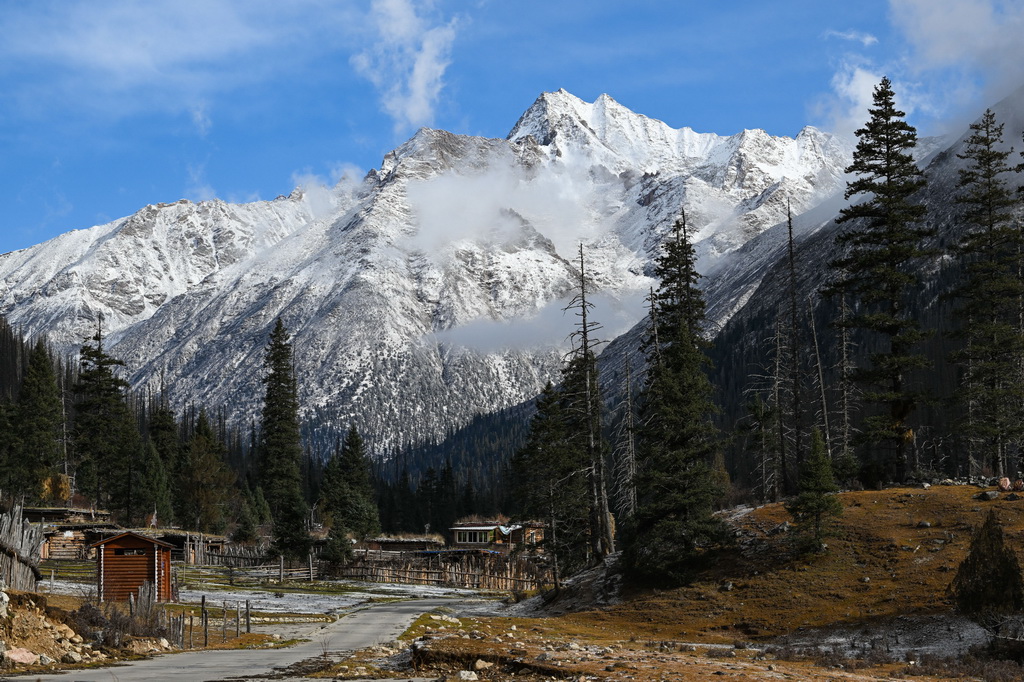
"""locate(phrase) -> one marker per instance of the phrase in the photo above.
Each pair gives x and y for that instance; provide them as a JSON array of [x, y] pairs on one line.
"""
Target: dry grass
[[895, 553]]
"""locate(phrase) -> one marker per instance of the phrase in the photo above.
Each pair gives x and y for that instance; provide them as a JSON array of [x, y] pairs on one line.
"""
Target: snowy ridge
[[430, 291]]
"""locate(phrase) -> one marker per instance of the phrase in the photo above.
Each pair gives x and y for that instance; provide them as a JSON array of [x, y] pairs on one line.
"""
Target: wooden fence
[[500, 573], [492, 572], [20, 545]]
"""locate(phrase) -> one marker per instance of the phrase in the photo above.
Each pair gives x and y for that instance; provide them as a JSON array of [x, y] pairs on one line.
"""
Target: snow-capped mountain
[[429, 291]]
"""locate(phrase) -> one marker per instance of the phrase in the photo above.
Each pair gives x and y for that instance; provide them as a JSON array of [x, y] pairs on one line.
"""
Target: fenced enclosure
[[20, 545], [493, 572], [488, 572]]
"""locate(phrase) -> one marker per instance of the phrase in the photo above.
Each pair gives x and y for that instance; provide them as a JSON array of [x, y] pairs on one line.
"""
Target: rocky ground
[[873, 605]]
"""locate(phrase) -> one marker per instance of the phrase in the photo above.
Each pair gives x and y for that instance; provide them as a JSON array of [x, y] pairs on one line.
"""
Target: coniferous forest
[[888, 348]]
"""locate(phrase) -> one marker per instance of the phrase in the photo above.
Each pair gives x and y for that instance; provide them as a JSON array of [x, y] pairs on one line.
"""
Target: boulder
[[20, 656], [464, 675], [71, 657], [987, 496], [482, 664], [1004, 485]]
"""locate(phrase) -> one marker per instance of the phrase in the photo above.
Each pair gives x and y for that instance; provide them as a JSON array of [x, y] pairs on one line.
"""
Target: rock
[[76, 638], [1018, 485], [925, 486], [464, 675], [865, 579], [726, 587], [1012, 497], [482, 664], [4, 601], [924, 524], [781, 528], [1004, 484], [45, 660], [71, 657], [987, 496], [163, 643], [20, 656]]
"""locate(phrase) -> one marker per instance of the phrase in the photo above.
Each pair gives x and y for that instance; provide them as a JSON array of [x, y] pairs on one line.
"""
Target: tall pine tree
[[347, 490], [991, 248], [280, 448], [883, 237], [106, 435], [549, 480], [677, 443], [40, 429]]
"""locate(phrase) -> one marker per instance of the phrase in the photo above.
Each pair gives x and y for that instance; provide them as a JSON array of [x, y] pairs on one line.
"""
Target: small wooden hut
[[126, 561]]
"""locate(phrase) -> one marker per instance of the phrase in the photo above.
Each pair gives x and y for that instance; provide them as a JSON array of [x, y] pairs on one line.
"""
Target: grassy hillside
[[879, 593]]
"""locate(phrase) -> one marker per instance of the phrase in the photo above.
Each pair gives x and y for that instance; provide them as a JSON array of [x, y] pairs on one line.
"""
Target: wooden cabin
[[497, 537], [125, 561]]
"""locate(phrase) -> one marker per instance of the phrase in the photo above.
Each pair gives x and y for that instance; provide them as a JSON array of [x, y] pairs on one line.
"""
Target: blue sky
[[108, 106]]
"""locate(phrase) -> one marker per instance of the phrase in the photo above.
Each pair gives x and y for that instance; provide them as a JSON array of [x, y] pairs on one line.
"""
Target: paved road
[[377, 624]]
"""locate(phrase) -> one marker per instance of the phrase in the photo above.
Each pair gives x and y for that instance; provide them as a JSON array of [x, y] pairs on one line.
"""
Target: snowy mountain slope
[[428, 292]]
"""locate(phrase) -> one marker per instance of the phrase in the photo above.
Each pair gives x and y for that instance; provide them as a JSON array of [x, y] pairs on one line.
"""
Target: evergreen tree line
[[71, 433], [907, 351]]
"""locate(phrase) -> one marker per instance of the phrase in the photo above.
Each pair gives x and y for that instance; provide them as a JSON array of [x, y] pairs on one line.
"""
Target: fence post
[[238, 618], [310, 567], [191, 629], [224, 623], [248, 619], [280, 569]]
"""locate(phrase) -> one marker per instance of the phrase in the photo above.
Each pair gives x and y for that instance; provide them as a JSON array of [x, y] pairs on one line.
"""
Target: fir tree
[[246, 532], [988, 583], [154, 491], [883, 238], [40, 432], [549, 483], [207, 484], [994, 346], [280, 448], [815, 503], [677, 443], [106, 436], [347, 490]]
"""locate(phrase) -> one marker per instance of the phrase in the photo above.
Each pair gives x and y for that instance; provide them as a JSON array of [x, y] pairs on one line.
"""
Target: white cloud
[[975, 43], [865, 39], [956, 57], [852, 87], [315, 192], [198, 189], [407, 62], [561, 202], [201, 119], [548, 327], [120, 56]]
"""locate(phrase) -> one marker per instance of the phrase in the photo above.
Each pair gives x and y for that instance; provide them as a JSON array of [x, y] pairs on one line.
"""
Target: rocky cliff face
[[429, 291]]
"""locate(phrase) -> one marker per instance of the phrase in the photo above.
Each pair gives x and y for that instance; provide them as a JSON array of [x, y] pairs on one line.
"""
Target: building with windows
[[497, 537]]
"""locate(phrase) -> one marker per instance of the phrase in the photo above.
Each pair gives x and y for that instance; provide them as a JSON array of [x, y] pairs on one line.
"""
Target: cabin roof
[[134, 535]]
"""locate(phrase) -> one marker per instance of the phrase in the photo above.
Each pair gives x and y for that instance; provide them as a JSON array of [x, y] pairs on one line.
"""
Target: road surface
[[377, 624]]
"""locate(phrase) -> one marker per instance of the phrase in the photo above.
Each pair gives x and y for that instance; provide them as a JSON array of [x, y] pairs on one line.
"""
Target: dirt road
[[373, 625]]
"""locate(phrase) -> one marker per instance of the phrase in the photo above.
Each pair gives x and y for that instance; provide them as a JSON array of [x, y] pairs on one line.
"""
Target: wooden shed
[[126, 561]]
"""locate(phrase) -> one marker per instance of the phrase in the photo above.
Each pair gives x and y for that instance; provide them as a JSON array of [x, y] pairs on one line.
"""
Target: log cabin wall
[[126, 561]]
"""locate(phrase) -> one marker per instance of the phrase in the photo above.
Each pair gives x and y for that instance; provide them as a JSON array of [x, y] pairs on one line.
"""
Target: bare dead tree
[[602, 539]]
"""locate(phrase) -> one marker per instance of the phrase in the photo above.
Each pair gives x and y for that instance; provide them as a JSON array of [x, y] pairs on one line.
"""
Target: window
[[130, 552], [472, 537]]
